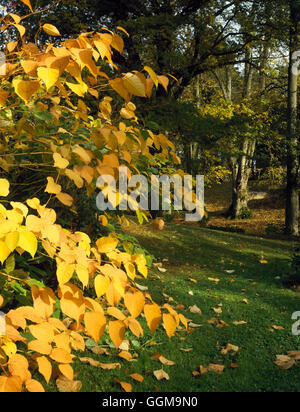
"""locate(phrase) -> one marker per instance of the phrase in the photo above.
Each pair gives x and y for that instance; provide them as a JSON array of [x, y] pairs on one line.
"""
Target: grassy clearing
[[200, 253]]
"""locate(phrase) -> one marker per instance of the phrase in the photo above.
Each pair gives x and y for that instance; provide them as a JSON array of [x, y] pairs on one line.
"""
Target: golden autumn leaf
[[135, 84], [51, 30], [25, 88], [169, 324], [44, 367], [161, 374], [135, 303], [48, 75], [65, 199], [152, 74], [153, 316], [33, 385], [66, 385], [60, 355], [4, 187], [101, 285], [27, 2], [4, 251], [18, 366], [106, 244], [52, 187], [10, 384], [28, 242], [42, 347], [3, 97], [59, 161], [95, 323], [137, 377], [43, 332], [66, 370], [116, 330]]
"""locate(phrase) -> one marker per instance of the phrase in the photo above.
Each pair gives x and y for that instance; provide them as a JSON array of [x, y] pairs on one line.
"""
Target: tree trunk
[[292, 195], [241, 170]]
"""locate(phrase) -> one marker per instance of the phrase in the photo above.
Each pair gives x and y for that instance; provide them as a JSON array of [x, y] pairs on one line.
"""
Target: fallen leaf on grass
[[191, 293], [66, 385], [245, 301], [125, 355], [214, 280], [100, 351], [166, 361], [161, 374], [192, 280], [186, 349], [137, 377], [217, 310], [229, 348], [195, 309], [90, 361], [229, 271], [237, 323], [194, 325], [215, 368], [294, 354], [284, 362], [124, 345], [110, 366], [277, 327], [234, 365], [126, 386]]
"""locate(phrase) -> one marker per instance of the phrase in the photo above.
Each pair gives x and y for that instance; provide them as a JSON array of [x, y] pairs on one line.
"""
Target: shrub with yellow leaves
[[42, 88]]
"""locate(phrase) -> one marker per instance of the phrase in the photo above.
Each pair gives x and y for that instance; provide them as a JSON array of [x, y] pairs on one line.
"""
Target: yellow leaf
[[65, 199], [83, 274], [51, 30], [64, 272], [28, 242], [153, 316], [78, 88], [169, 324], [48, 75], [152, 74], [123, 30], [60, 355], [43, 332], [116, 330], [67, 371], [101, 285], [3, 97], [137, 377], [18, 366], [164, 81], [52, 187], [10, 384], [25, 88], [106, 244], [21, 29], [135, 84], [45, 367], [11, 240], [135, 303], [34, 386], [130, 270], [95, 323], [27, 2], [4, 187], [4, 251]]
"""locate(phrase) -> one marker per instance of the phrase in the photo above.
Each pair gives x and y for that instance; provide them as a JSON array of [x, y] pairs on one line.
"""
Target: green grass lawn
[[200, 253]]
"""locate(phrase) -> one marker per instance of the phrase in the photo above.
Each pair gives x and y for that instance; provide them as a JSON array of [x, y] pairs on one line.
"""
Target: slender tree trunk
[[292, 195]]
